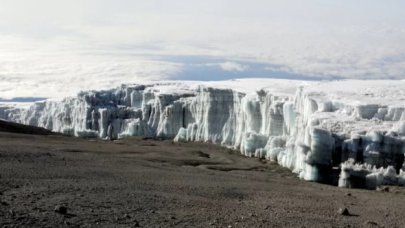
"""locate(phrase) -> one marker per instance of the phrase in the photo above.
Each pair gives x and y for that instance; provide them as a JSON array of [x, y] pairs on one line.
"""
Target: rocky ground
[[57, 181]]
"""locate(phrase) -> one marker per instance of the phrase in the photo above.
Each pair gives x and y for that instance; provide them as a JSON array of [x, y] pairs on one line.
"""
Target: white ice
[[308, 127]]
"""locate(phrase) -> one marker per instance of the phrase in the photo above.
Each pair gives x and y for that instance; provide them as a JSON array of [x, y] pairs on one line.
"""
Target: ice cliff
[[350, 133]]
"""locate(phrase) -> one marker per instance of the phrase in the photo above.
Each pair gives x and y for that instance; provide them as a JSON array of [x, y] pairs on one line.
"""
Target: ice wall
[[307, 129]]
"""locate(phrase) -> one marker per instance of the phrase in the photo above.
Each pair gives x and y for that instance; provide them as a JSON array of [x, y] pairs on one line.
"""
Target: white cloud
[[58, 47], [34, 70], [232, 66], [229, 66]]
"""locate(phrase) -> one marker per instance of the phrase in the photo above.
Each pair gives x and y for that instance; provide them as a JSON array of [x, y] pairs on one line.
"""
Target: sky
[[56, 48]]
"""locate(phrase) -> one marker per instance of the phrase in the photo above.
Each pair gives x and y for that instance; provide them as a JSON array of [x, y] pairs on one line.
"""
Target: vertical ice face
[[307, 129]]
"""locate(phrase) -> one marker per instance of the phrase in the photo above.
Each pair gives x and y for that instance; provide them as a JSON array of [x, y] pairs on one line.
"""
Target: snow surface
[[309, 127]]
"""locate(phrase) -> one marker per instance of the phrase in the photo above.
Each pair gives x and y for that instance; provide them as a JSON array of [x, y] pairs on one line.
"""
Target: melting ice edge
[[349, 133]]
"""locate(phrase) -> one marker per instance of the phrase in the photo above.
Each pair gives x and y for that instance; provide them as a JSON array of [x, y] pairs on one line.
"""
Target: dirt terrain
[[148, 183]]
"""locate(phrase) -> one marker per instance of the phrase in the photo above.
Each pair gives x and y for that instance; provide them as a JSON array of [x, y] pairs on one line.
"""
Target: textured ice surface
[[309, 127]]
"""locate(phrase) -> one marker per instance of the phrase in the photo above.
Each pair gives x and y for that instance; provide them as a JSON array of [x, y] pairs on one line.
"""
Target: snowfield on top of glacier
[[350, 133]]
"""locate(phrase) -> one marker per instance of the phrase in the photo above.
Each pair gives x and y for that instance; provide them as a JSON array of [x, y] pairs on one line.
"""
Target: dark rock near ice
[[343, 211], [60, 209]]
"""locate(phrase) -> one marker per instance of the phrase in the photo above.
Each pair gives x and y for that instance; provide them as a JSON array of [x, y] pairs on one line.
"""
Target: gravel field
[[58, 181]]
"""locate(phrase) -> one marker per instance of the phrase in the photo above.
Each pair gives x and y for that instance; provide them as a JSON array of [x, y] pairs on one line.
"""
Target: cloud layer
[[41, 72], [56, 48]]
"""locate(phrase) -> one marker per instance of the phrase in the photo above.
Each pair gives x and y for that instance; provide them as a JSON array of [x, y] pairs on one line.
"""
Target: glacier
[[349, 133]]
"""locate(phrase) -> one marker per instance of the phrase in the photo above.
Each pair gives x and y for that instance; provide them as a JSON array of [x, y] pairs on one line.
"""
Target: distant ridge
[[6, 126]]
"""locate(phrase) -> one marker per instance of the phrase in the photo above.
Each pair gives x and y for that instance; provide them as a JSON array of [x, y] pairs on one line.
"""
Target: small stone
[[371, 223], [172, 217], [349, 194], [60, 209], [136, 224], [20, 218], [3, 203], [383, 189], [343, 211], [126, 216]]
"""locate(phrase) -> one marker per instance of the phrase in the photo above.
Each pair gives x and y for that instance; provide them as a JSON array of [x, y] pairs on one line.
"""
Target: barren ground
[[149, 183]]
